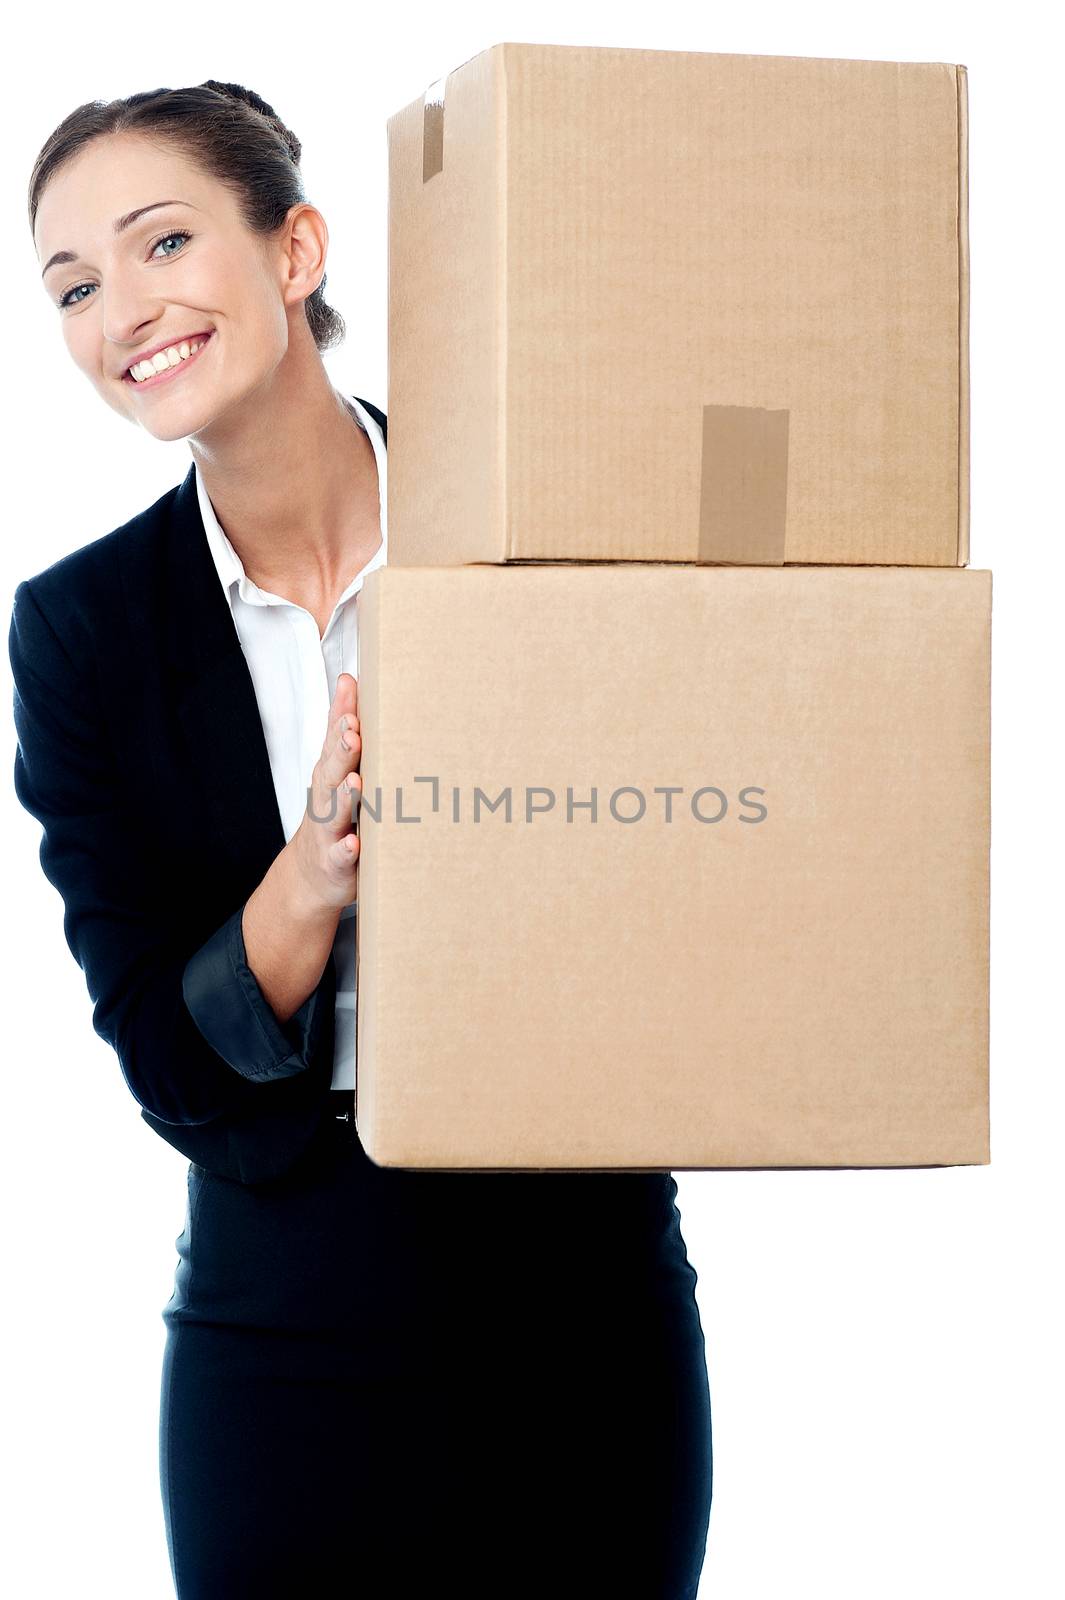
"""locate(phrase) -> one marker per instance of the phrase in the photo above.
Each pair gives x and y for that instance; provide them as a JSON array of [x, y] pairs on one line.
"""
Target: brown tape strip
[[433, 130], [743, 496]]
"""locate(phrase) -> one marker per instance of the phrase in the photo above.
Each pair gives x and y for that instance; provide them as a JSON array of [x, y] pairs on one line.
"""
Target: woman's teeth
[[172, 356]]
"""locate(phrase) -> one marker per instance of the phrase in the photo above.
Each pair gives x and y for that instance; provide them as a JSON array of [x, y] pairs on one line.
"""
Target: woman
[[374, 1379]]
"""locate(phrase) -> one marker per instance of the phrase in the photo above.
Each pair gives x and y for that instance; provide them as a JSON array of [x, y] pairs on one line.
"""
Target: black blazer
[[141, 752]]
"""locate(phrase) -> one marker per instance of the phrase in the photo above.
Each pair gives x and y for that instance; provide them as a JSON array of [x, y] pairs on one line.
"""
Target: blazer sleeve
[[188, 1024]]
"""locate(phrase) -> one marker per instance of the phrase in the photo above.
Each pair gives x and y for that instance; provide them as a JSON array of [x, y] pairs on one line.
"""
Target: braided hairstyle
[[230, 132]]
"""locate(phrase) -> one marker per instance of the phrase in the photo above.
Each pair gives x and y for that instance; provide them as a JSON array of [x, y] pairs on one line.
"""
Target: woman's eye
[[180, 234], [68, 299]]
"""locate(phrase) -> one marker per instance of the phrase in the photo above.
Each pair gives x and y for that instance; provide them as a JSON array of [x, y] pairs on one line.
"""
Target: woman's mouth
[[195, 347]]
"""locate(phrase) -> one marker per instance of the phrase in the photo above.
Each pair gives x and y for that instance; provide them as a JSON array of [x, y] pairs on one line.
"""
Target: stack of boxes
[[675, 689]]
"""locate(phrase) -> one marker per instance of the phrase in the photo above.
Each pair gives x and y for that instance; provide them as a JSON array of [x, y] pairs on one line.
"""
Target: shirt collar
[[228, 564]]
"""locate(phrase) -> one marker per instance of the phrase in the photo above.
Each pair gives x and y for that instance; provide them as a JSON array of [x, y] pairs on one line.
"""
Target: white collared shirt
[[295, 675]]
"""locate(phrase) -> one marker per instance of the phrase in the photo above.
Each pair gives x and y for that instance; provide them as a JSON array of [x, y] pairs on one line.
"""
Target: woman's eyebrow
[[120, 223]]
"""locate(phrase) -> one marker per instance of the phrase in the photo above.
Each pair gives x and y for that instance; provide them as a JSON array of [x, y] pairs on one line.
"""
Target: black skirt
[[379, 1381]]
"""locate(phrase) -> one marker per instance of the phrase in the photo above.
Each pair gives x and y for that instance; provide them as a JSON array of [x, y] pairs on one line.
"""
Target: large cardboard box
[[655, 305], [766, 946]]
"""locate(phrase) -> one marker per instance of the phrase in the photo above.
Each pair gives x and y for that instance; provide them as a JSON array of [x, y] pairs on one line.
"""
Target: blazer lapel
[[215, 700]]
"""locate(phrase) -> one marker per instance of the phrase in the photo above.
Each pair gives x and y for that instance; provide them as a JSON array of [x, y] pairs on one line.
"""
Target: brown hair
[[230, 132]]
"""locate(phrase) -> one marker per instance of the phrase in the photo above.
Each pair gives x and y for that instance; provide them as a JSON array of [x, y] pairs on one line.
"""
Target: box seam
[[962, 90]]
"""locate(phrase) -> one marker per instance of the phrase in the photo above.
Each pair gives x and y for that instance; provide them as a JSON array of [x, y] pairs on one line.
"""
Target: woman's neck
[[293, 481]]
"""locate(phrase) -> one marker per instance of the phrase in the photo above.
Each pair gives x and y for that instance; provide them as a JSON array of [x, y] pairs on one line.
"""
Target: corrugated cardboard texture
[[451, 311], [619, 239], [806, 990]]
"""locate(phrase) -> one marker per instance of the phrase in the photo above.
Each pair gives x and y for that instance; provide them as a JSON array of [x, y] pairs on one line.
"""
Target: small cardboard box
[[657, 305], [673, 866]]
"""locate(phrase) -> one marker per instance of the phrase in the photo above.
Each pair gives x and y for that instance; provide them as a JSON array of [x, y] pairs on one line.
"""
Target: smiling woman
[[376, 1381], [224, 241]]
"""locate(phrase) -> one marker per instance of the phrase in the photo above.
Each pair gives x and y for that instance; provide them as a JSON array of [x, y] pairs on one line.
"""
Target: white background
[[884, 1348]]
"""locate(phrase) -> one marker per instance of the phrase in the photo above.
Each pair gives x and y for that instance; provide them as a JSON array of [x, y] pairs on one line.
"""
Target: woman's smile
[[203, 341]]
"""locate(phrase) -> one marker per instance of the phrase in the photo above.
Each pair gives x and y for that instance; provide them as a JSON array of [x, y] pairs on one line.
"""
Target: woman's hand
[[325, 846]]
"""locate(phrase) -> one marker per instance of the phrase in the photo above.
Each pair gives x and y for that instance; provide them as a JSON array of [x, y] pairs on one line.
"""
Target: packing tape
[[433, 129], [743, 493]]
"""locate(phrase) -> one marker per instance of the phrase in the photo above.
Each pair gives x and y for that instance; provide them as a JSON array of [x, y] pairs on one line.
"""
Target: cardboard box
[[654, 305], [793, 971]]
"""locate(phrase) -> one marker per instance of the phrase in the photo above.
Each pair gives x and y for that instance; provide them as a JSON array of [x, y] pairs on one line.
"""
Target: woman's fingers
[[345, 853], [334, 787], [345, 702], [343, 759], [332, 798]]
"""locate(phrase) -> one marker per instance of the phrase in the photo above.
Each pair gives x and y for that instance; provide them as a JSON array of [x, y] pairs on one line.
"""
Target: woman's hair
[[230, 132]]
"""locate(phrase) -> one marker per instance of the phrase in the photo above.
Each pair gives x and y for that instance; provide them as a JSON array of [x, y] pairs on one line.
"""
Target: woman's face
[[127, 293]]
